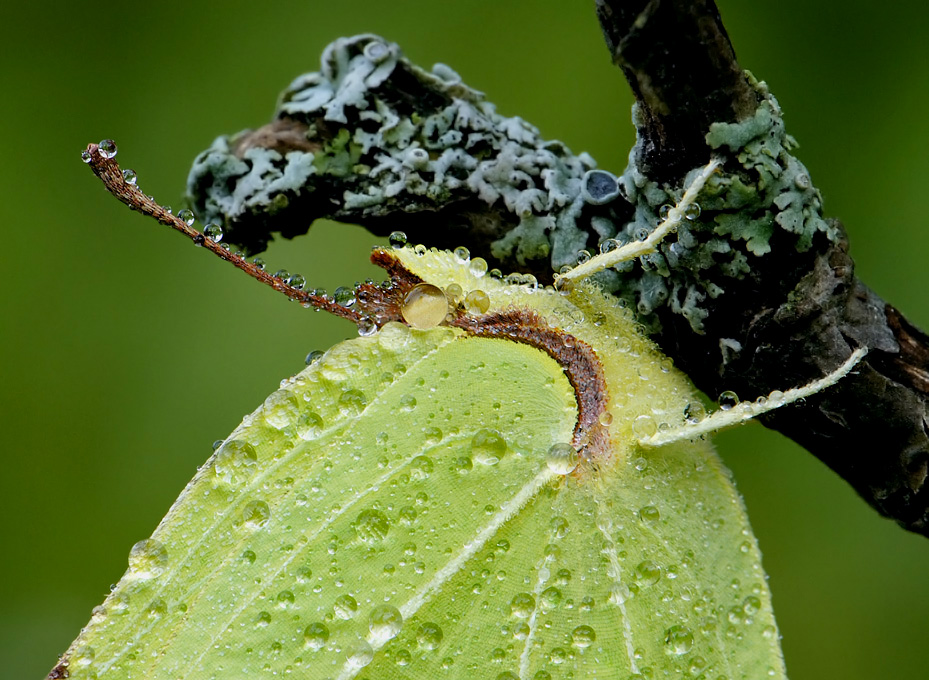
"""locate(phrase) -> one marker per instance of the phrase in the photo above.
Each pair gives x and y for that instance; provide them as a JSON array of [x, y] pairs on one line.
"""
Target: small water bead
[[429, 636], [495, 273], [86, 156], [367, 328], [256, 514], [397, 239], [477, 302], [83, 656], [371, 526], [344, 297], [384, 623], [314, 356], [297, 281], [522, 605], [694, 412], [583, 256], [649, 514], [352, 402], [420, 249], [453, 292], [641, 234], [487, 447], [644, 426], [692, 211], [424, 306], [583, 637], [727, 400], [678, 640], [542, 675], [130, 177], [664, 211], [147, 559], [478, 266], [316, 636], [609, 244], [345, 607], [214, 232], [360, 654], [605, 418], [235, 462], [550, 598], [647, 573], [562, 458], [281, 409], [462, 254], [107, 148], [564, 286]]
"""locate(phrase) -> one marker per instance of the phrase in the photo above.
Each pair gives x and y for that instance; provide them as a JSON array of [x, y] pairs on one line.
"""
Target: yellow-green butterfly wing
[[397, 510]]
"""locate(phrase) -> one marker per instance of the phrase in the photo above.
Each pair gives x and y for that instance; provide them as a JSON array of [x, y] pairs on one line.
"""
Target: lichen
[[762, 188], [382, 137], [444, 143]]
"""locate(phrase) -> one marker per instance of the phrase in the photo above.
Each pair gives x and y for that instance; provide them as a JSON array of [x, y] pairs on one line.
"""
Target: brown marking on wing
[[576, 358]]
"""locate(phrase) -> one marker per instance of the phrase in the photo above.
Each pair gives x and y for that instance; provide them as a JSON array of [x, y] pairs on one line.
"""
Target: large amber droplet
[[425, 306]]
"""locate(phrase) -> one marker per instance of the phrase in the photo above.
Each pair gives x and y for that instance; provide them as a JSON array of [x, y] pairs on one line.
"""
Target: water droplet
[[522, 605], [420, 250], [678, 640], [453, 292], [424, 306], [397, 239], [249, 556], [345, 607], [558, 655], [129, 176], [561, 459], [86, 156], [609, 245], [649, 514], [421, 467], [83, 656], [644, 426], [367, 328], [727, 400], [692, 211], [316, 635], [281, 409], [235, 462], [429, 636], [462, 254], [488, 447], [558, 527], [478, 266], [477, 302], [259, 262], [344, 297], [751, 605], [285, 598], [297, 281], [314, 356], [107, 148], [186, 216], [664, 211], [263, 619], [694, 412], [582, 257], [371, 525], [549, 598], [256, 514], [563, 286], [542, 675], [308, 425], [647, 573], [352, 402], [213, 231], [583, 637], [384, 623], [147, 559], [360, 654], [605, 418]]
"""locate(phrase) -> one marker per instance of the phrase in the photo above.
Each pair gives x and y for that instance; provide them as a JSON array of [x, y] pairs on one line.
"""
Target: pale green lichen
[[762, 189], [404, 140]]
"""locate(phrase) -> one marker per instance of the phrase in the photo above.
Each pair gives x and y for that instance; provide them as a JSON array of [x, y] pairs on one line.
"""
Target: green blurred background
[[126, 351]]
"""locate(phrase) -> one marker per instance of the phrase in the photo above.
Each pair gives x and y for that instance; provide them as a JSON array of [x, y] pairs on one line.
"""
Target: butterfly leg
[[747, 410], [636, 249]]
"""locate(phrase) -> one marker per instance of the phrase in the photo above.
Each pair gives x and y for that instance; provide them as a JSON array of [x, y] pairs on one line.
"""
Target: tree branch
[[756, 294]]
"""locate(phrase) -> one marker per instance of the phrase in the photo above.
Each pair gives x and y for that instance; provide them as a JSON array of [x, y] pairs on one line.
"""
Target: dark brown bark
[[800, 315]]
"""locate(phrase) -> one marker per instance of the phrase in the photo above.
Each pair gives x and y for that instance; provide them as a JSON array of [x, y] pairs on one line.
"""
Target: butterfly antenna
[[122, 184]]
